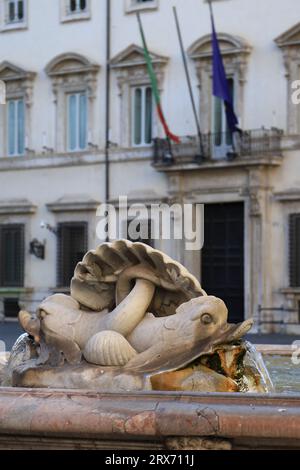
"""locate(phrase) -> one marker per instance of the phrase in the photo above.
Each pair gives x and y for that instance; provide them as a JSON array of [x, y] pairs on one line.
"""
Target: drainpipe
[[107, 103]]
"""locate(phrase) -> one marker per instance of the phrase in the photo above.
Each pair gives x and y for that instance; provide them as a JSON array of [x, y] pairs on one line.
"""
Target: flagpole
[[211, 10], [189, 83], [154, 84]]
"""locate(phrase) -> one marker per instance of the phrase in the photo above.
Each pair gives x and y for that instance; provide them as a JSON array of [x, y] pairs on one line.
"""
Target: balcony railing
[[260, 143]]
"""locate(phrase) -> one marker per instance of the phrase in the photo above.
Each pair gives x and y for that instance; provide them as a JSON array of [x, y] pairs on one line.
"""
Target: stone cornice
[[17, 206], [69, 64], [288, 196], [10, 72], [289, 38], [75, 203], [230, 45], [133, 56]]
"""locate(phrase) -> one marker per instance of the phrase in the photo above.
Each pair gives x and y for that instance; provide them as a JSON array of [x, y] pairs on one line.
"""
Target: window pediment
[[11, 72], [70, 63], [230, 45], [290, 38], [289, 43], [133, 56]]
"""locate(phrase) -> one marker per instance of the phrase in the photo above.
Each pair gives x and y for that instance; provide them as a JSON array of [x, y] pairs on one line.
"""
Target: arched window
[[15, 117], [74, 80], [235, 53]]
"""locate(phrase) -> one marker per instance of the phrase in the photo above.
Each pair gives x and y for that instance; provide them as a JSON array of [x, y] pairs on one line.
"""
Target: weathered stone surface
[[103, 336], [87, 419]]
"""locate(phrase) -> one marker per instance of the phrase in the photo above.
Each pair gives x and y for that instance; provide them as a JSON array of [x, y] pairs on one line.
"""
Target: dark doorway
[[223, 256]]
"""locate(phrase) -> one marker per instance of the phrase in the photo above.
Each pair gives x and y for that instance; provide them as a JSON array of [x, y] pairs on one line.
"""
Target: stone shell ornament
[[105, 277]]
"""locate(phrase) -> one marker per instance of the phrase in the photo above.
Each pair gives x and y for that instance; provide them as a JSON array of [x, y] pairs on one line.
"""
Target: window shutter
[[71, 248], [12, 255], [148, 117], [20, 9], [21, 127], [82, 121], [294, 250], [137, 116], [11, 127], [72, 122]]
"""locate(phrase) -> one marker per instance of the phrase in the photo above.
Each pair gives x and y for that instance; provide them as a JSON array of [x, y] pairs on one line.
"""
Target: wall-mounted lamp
[[47, 149], [48, 227], [37, 249]]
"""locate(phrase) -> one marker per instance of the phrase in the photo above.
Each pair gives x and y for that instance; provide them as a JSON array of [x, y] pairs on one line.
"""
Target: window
[[15, 11], [77, 121], [11, 308], [12, 255], [16, 127], [73, 10], [142, 115], [294, 250], [77, 6], [134, 5], [74, 85], [72, 246], [289, 43], [235, 51], [15, 116], [222, 138]]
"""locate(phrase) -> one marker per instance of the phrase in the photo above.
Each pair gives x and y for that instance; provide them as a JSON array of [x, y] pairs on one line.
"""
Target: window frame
[[21, 263], [77, 148], [132, 6], [294, 250], [60, 261], [225, 144], [66, 15], [16, 153], [144, 89], [7, 25]]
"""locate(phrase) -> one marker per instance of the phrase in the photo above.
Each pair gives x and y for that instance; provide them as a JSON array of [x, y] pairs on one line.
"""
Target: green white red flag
[[154, 86]]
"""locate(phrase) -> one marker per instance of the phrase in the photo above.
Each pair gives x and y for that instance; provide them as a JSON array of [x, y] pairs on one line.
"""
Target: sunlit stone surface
[[135, 320]]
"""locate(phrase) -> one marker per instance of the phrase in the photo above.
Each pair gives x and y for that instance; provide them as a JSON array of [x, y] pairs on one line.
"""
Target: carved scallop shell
[[96, 277], [108, 348]]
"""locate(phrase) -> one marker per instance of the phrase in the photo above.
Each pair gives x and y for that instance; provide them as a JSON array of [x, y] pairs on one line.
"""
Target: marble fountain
[[139, 356]]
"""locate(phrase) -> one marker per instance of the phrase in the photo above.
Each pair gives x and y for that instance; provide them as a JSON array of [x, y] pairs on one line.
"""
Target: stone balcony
[[261, 147]]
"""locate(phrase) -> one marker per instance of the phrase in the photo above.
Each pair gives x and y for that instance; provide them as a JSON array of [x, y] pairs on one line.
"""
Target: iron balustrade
[[279, 315], [258, 143]]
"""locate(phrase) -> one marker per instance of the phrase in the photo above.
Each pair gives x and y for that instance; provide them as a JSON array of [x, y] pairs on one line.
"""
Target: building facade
[[53, 137]]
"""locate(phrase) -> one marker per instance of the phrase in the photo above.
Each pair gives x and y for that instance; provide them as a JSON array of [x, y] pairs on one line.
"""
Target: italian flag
[[154, 86]]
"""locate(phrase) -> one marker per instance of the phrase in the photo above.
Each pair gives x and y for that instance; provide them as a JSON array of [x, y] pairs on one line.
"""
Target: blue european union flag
[[220, 84]]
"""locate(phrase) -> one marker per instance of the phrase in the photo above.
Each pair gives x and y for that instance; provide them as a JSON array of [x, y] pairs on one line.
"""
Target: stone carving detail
[[197, 443], [289, 43], [135, 320]]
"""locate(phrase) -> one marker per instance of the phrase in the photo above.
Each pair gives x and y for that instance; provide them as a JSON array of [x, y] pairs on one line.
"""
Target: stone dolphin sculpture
[[150, 343], [107, 321]]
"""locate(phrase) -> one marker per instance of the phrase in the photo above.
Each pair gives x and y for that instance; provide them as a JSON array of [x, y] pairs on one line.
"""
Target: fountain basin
[[70, 419], [83, 419]]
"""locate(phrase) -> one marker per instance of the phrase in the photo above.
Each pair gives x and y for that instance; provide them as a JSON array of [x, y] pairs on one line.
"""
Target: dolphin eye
[[206, 318]]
